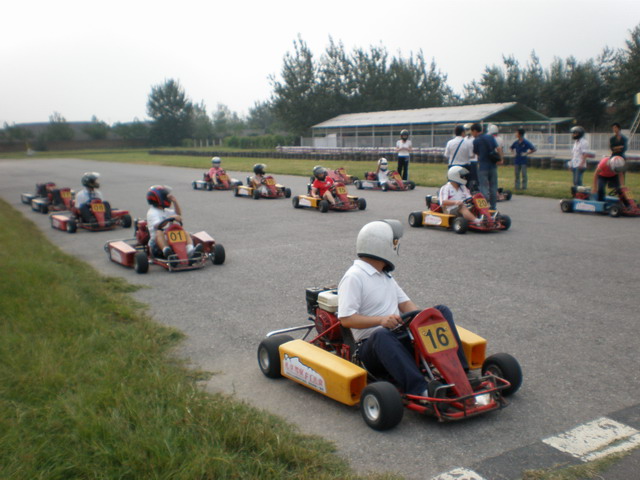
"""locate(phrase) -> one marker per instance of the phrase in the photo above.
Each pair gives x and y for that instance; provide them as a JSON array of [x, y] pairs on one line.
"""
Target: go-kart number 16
[[340, 190], [437, 337], [176, 236]]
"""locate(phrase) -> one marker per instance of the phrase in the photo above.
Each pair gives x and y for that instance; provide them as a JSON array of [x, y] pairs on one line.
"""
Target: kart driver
[[322, 185], [383, 171], [258, 178], [159, 215], [370, 302], [90, 191], [214, 170], [608, 172], [454, 193]]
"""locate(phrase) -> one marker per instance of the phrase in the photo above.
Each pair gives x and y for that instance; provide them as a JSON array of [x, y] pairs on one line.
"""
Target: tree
[[202, 125], [58, 129], [15, 134], [135, 130], [624, 81], [97, 130], [262, 118], [226, 122], [172, 114]]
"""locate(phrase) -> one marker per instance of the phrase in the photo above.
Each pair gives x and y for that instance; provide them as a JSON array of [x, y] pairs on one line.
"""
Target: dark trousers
[[603, 182], [383, 351], [403, 167]]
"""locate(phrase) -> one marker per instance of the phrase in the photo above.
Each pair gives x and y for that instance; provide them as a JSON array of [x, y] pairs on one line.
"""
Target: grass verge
[[90, 390], [591, 470], [542, 182]]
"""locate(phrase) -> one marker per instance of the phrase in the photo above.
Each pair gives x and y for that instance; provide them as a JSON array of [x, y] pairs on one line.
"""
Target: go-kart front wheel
[[504, 366], [218, 255], [287, 193], [362, 204], [505, 220], [381, 406], [72, 226], [141, 262], [324, 206], [415, 219], [269, 355], [295, 201], [126, 221]]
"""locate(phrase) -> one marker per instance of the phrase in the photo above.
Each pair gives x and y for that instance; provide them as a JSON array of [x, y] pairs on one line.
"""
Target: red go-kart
[[136, 253], [340, 175], [344, 201], [48, 197], [329, 364], [102, 218], [268, 189], [394, 182], [222, 182]]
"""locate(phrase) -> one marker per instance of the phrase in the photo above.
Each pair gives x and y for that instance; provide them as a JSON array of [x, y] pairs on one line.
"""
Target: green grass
[[591, 470], [542, 182], [90, 388]]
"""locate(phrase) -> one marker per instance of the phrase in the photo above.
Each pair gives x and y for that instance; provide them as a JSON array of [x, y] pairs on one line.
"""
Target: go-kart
[[329, 364], [136, 253], [344, 201], [394, 182], [271, 189], [504, 195], [103, 218], [435, 216], [48, 197], [222, 182], [340, 175], [618, 202]]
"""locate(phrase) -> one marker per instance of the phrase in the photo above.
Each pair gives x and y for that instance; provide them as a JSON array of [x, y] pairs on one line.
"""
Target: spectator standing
[[578, 162], [403, 151], [473, 164], [618, 142], [483, 145], [522, 149]]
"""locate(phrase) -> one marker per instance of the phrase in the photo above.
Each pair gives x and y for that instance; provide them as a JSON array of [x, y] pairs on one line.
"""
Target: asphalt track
[[558, 291]]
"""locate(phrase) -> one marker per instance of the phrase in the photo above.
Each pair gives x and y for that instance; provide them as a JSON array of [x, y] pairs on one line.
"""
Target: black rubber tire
[[209, 186], [615, 210], [141, 263], [44, 209], [507, 195], [219, 254], [269, 355], [566, 206], [236, 192], [505, 220], [362, 204], [126, 221], [295, 201], [412, 185], [358, 184], [287, 193], [256, 194], [194, 185], [460, 225], [415, 219], [324, 206], [381, 406], [384, 187], [504, 366], [72, 226]]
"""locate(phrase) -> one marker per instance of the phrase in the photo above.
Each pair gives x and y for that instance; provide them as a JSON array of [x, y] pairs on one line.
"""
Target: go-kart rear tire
[[507, 195], [362, 204], [236, 192], [505, 220], [384, 187], [126, 221], [218, 254], [287, 193], [295, 201], [415, 219], [615, 210], [358, 184], [256, 194], [194, 185], [566, 206], [269, 355], [141, 262], [460, 225], [381, 406], [504, 366], [411, 184], [324, 206], [209, 186], [72, 226]]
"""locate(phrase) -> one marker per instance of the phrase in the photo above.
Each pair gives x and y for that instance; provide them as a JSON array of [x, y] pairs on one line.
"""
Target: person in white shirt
[[90, 191], [159, 216], [454, 193], [370, 302], [458, 151], [473, 164], [579, 154], [383, 171], [404, 148]]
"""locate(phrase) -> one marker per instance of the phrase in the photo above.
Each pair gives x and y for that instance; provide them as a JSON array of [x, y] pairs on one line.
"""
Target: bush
[[259, 141]]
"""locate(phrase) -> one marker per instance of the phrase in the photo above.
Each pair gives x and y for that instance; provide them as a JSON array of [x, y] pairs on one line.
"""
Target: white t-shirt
[[155, 216], [469, 140], [366, 291], [85, 196], [404, 147], [383, 176], [449, 192], [580, 147], [465, 152]]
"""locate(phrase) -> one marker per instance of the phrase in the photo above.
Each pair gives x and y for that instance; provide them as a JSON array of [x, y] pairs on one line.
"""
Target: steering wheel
[[166, 221], [405, 318]]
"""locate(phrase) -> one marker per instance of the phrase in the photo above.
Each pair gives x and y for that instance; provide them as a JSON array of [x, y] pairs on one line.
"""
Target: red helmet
[[158, 195]]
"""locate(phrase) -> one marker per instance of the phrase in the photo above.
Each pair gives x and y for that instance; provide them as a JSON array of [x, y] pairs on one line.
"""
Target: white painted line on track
[[459, 474], [596, 439]]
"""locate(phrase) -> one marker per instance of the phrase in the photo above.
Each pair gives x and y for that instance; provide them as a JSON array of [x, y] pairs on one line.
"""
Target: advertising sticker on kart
[[295, 369]]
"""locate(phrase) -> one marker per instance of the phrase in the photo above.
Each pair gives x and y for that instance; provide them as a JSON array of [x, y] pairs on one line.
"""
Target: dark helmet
[[577, 132], [90, 180], [404, 134], [319, 172], [258, 168], [158, 195]]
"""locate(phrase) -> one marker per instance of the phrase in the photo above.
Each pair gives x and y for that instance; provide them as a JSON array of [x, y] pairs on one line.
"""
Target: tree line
[[311, 90]]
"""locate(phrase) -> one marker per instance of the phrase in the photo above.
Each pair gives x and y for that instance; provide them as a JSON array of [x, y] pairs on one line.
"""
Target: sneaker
[[197, 251], [166, 251], [479, 220]]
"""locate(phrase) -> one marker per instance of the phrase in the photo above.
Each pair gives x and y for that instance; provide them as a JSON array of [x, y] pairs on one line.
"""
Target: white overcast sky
[[83, 58]]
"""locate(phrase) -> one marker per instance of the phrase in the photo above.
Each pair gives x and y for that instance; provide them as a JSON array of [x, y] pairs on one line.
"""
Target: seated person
[[257, 181], [215, 169], [158, 215], [322, 185], [455, 192], [370, 302], [82, 202], [383, 171], [609, 172]]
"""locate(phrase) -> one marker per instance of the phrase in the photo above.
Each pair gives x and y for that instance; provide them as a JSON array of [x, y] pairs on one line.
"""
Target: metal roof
[[497, 112]]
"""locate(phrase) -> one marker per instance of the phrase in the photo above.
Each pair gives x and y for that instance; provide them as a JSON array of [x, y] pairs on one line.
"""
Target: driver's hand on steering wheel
[[391, 321], [177, 218]]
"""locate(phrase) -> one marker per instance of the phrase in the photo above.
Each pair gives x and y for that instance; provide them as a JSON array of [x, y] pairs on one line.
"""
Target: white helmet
[[493, 130], [458, 174], [379, 240], [215, 161], [616, 163], [382, 163]]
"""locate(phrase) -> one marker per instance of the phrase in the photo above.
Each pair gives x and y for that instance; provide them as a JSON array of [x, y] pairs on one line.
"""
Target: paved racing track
[[558, 291]]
